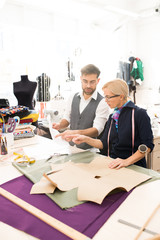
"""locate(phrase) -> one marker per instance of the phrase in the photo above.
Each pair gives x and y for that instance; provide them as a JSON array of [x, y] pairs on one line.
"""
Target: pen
[[48, 173], [3, 146], [3, 127]]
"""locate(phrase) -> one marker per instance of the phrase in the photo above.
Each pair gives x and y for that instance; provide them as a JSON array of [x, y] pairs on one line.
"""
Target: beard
[[88, 91]]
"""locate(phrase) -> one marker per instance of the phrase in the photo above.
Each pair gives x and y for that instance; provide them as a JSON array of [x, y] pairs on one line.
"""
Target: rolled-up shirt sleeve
[[102, 114], [67, 113]]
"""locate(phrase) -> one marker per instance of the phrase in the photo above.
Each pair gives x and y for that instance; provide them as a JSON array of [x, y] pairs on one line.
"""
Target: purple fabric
[[87, 218]]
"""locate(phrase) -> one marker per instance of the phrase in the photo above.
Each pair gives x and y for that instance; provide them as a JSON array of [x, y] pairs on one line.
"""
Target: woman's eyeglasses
[[109, 97]]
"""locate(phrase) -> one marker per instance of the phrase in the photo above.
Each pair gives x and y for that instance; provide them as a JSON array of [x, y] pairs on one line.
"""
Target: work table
[[136, 209]]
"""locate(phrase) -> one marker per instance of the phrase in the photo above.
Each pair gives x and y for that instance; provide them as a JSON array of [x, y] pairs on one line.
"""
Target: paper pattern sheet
[[43, 186], [94, 180]]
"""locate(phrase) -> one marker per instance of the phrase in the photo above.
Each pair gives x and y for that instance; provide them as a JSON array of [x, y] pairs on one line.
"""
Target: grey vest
[[86, 118]]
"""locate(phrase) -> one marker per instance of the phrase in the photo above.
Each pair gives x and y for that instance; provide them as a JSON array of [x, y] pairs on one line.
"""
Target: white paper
[[44, 151], [55, 146], [58, 140]]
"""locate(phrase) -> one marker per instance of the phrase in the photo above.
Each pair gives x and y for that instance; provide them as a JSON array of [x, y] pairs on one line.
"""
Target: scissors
[[56, 154], [13, 123], [23, 160]]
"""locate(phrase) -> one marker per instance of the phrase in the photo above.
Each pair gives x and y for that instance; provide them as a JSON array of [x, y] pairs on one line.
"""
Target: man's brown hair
[[90, 69]]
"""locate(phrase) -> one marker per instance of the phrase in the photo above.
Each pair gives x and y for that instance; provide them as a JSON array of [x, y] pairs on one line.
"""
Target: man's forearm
[[63, 123], [91, 132]]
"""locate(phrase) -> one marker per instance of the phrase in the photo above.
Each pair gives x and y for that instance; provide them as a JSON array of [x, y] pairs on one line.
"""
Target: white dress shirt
[[102, 111]]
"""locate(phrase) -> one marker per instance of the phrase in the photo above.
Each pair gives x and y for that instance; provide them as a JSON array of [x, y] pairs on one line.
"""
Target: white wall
[[34, 41], [148, 48]]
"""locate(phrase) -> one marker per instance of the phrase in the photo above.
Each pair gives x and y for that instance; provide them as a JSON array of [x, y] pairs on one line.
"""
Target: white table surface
[[135, 209]]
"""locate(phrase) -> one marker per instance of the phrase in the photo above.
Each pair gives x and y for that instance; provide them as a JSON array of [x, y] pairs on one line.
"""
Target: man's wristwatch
[[142, 148]]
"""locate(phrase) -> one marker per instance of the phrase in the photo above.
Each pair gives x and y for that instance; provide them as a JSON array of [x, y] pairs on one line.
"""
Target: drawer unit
[[156, 144], [155, 155], [156, 161]]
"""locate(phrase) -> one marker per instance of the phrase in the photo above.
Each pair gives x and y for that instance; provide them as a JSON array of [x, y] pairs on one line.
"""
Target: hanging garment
[[43, 94], [124, 71], [137, 70]]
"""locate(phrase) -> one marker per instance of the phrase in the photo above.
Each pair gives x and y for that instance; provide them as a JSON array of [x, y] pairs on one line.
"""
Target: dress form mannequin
[[24, 91]]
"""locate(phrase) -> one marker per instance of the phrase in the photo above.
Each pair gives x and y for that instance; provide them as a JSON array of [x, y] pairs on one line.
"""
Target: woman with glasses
[[127, 136]]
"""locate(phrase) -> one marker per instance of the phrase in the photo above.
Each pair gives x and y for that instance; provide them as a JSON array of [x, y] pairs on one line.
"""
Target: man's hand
[[118, 163], [61, 125], [56, 126]]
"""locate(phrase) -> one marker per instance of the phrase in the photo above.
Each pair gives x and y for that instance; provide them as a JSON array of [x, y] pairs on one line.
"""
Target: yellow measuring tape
[[23, 159]]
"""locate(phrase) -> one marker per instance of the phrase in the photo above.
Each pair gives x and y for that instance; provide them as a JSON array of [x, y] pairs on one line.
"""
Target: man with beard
[[86, 111]]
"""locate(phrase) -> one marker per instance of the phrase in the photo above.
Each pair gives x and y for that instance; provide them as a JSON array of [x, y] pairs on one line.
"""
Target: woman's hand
[[118, 163], [71, 135], [67, 134], [76, 138]]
